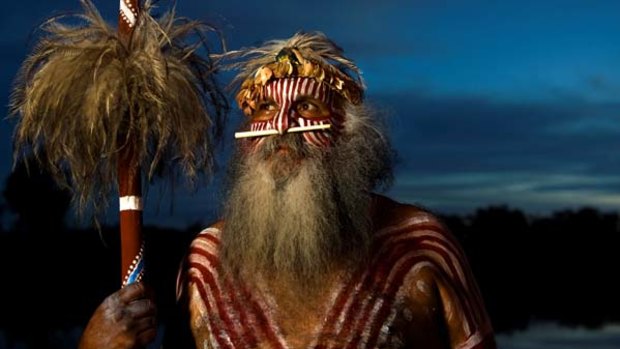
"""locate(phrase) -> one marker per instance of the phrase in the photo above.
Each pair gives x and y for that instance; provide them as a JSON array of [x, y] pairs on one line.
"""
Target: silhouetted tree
[[33, 196]]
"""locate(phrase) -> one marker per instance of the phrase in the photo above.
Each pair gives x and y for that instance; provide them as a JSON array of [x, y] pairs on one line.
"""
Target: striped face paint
[[291, 101]]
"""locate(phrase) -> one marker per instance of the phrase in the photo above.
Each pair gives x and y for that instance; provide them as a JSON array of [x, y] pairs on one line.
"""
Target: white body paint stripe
[[472, 341]]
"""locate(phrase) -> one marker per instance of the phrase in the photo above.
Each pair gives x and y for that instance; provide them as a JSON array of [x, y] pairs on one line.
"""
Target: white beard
[[295, 215]]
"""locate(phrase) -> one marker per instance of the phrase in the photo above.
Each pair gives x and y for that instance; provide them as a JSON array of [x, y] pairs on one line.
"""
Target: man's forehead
[[296, 87]]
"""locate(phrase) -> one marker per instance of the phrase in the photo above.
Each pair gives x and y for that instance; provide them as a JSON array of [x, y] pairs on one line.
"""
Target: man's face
[[298, 102], [296, 207]]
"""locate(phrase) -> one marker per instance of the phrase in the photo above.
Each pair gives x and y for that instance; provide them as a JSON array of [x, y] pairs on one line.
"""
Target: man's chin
[[284, 163]]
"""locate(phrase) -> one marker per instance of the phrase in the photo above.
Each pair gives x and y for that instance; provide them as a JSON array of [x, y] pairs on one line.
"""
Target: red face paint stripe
[[321, 93], [277, 91], [274, 123], [304, 86], [315, 89], [296, 87], [321, 137]]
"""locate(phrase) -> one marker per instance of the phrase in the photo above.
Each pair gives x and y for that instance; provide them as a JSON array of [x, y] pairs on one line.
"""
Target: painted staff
[[129, 183], [113, 107]]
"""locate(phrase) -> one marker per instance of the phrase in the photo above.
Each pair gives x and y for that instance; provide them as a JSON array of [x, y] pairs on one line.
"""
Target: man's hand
[[125, 320]]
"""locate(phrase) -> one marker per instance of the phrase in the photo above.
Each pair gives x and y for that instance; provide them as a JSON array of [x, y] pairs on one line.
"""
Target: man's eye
[[312, 109], [307, 106], [266, 107], [264, 111]]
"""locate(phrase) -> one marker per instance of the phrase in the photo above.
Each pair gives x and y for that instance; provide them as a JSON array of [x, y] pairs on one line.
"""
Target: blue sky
[[488, 102]]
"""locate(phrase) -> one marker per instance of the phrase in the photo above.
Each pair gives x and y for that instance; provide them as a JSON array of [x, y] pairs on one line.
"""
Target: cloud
[[459, 153], [536, 193], [442, 132]]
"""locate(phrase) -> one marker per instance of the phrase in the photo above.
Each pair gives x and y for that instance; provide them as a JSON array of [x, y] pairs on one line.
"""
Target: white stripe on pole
[[130, 203]]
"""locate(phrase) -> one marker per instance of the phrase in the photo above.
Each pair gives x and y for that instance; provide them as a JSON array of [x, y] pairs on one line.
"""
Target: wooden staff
[[129, 183], [86, 88]]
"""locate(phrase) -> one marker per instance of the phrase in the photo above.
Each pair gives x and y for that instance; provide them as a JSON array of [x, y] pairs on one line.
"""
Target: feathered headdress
[[83, 95], [303, 55]]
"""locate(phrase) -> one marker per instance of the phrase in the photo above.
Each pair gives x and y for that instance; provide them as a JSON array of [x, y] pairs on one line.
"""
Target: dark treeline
[[559, 267]]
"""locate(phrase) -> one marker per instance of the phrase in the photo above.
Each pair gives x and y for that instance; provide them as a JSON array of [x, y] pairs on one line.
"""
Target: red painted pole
[[129, 183]]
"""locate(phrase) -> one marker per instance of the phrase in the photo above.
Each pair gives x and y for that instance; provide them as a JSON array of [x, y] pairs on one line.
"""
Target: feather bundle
[[304, 55], [83, 95]]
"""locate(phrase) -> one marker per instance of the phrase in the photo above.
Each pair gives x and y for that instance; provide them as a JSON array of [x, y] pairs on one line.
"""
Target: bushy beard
[[295, 213]]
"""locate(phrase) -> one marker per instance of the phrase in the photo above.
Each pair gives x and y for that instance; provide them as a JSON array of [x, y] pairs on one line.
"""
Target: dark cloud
[[459, 153], [601, 84], [444, 133]]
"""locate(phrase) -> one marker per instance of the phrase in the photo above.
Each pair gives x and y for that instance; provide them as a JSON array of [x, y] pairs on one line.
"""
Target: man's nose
[[283, 121]]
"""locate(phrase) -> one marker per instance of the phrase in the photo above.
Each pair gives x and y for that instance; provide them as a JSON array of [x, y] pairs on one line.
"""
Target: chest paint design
[[285, 93], [361, 309]]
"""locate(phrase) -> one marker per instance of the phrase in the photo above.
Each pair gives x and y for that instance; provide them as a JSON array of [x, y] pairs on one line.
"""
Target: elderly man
[[306, 255]]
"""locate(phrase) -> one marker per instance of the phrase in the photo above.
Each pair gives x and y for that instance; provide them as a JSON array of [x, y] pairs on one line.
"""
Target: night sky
[[511, 102]]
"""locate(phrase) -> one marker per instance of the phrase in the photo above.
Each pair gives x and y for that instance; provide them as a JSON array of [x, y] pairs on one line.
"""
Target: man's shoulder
[[213, 231], [403, 229], [206, 241], [391, 214], [413, 239]]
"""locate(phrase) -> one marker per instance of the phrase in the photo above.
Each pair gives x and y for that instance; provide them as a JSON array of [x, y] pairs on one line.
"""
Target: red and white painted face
[[294, 102]]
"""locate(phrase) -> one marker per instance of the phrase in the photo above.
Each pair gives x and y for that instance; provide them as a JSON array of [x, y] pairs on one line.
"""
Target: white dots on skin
[[423, 287]]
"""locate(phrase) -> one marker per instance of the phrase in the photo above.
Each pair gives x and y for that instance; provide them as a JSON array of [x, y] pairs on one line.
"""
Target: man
[[306, 255]]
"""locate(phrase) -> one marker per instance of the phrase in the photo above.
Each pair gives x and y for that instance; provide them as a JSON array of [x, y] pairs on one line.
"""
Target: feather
[[82, 95]]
